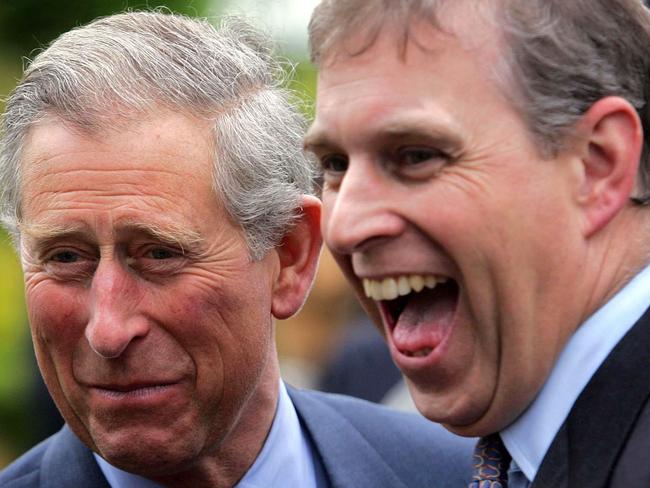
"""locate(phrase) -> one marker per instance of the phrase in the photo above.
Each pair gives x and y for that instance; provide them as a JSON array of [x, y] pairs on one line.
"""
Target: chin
[[149, 457], [480, 426], [152, 463], [456, 415]]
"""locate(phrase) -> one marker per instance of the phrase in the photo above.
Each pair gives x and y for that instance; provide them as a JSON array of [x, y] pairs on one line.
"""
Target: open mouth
[[417, 310]]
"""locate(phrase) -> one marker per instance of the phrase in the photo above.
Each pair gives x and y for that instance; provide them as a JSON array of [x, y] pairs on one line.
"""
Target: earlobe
[[612, 137], [298, 252]]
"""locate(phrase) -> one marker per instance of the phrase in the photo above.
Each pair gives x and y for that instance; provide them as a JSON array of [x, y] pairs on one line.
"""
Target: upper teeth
[[391, 288]]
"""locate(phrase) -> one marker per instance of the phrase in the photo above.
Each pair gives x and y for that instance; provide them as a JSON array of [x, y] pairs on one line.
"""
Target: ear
[[612, 136], [298, 253]]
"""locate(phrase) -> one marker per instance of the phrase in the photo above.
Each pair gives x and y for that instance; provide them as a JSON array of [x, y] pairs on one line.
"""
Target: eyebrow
[[49, 232], [448, 137], [167, 233], [315, 138]]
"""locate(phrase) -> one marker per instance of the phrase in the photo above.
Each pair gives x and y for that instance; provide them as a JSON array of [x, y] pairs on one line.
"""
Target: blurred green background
[[25, 27]]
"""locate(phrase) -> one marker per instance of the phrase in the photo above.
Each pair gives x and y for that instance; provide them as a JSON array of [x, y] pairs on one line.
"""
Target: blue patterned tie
[[491, 461]]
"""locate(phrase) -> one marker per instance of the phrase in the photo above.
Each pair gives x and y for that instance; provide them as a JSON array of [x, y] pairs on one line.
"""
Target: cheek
[[329, 200], [228, 335], [56, 322], [229, 326], [57, 316]]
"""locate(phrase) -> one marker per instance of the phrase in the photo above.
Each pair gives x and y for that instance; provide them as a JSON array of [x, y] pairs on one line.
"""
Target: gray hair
[[561, 56], [129, 64]]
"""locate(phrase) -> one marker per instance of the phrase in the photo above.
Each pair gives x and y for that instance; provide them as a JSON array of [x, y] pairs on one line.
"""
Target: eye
[[65, 257], [417, 155], [156, 261], [160, 253], [334, 167], [334, 163], [67, 264], [420, 161]]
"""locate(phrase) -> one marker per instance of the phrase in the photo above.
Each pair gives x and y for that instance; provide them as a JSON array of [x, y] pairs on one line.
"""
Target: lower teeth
[[420, 353]]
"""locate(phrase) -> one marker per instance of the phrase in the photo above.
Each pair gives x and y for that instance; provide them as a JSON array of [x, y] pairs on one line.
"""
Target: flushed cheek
[[221, 334], [229, 331], [56, 331], [57, 315], [195, 324]]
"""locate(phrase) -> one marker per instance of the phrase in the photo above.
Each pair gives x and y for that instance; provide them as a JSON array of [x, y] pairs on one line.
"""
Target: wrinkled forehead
[[162, 130], [148, 160]]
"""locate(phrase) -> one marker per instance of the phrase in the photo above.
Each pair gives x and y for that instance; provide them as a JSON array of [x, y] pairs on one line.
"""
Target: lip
[[134, 394]]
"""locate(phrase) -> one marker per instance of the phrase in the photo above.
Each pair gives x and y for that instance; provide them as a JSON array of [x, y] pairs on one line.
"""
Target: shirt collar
[[286, 458], [529, 437]]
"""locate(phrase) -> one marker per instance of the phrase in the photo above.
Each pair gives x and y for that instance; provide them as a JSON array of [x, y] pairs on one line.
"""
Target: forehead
[[152, 170], [164, 132], [440, 77]]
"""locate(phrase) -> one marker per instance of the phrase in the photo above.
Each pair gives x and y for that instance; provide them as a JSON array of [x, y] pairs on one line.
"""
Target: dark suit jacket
[[357, 444], [605, 440]]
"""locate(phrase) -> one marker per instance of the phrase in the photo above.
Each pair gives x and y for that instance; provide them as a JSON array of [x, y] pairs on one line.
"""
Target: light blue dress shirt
[[286, 460], [529, 437]]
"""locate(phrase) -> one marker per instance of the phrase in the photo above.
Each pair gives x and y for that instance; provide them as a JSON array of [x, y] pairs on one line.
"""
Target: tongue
[[425, 320]]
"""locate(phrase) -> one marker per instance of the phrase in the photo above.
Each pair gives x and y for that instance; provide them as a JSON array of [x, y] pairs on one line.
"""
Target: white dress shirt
[[286, 460], [529, 437]]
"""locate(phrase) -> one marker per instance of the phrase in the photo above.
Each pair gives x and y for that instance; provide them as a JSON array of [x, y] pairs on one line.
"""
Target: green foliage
[[15, 370], [12, 320], [303, 82]]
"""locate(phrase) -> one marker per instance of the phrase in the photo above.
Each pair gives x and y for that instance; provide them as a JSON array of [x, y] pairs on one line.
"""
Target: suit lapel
[[345, 454], [67, 462], [591, 439]]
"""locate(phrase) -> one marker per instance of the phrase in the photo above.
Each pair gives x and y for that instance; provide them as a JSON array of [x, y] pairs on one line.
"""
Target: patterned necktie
[[491, 461]]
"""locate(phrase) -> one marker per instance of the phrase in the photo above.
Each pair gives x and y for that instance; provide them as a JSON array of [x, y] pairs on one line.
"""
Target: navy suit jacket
[[357, 444], [605, 440]]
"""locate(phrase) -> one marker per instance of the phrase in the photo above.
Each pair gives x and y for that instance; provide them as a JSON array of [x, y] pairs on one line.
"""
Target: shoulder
[[415, 448], [60, 460], [25, 471], [379, 422]]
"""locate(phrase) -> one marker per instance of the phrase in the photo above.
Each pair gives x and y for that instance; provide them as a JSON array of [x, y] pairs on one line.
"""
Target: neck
[[615, 256]]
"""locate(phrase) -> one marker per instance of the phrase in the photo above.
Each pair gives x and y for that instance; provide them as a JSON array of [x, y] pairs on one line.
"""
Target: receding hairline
[[366, 30]]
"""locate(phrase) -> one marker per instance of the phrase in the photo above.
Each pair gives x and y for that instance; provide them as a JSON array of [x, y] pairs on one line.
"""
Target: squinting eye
[[418, 155], [335, 163], [157, 262], [65, 257], [69, 265], [161, 253]]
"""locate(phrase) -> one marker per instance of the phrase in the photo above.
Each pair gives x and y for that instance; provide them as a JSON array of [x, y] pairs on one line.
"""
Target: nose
[[114, 319], [362, 210]]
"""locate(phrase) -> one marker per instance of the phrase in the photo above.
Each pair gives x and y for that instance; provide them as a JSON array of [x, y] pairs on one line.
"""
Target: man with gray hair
[[486, 187], [154, 184]]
